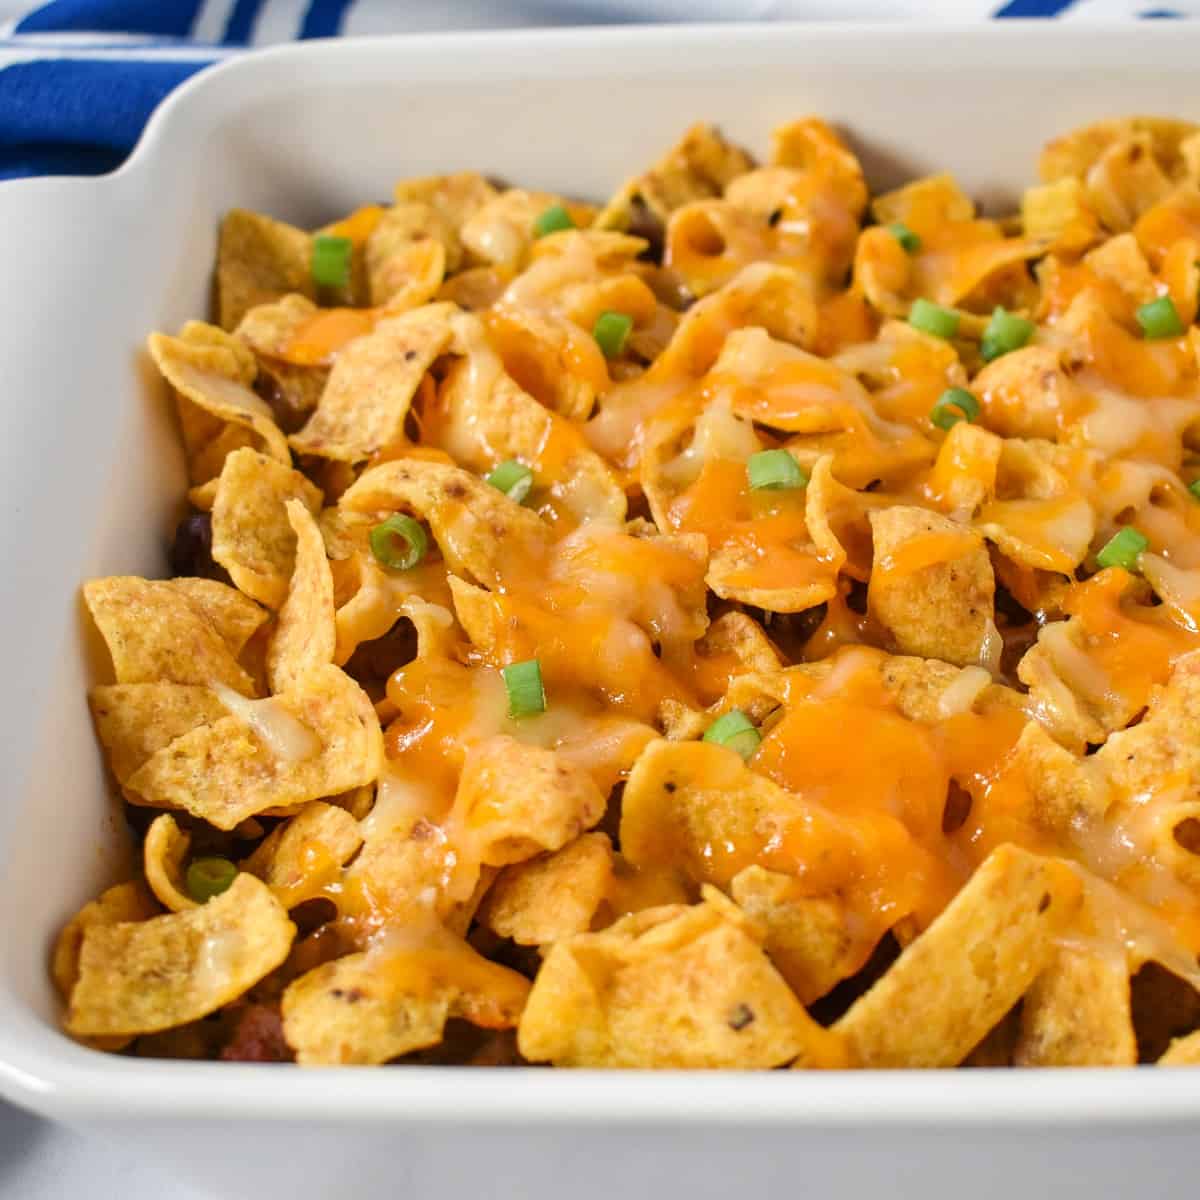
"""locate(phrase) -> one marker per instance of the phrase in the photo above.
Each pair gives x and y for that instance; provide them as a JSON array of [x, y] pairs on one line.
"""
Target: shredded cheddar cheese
[[871, 545]]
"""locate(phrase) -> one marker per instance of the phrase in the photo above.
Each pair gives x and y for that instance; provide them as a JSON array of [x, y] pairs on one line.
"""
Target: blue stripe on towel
[[166, 18], [48, 107], [324, 18], [1033, 8]]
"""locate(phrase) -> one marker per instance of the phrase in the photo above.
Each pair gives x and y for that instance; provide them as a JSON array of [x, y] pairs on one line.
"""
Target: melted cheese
[[287, 738], [1107, 420], [216, 958]]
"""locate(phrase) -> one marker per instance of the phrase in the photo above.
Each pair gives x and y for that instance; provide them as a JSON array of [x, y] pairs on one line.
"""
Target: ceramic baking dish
[[91, 484]]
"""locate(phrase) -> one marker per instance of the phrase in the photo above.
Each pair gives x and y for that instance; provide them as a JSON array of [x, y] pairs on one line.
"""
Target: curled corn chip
[[305, 635], [806, 936], [1029, 393], [669, 987], [302, 856], [456, 197], [211, 372], [259, 260], [936, 1003], [377, 1005], [682, 797], [145, 622], [515, 801], [549, 357], [811, 146], [407, 869], [932, 586], [320, 738], [371, 386], [1074, 153], [1060, 210], [122, 903], [406, 256], [136, 720], [234, 616], [253, 538], [485, 418], [286, 339], [144, 976], [1077, 1013], [699, 166], [270, 329], [552, 896], [501, 230], [477, 527], [163, 855]]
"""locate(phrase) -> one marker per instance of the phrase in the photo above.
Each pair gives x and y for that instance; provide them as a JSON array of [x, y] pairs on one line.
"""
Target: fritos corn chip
[[145, 623], [931, 1008], [259, 260], [253, 538], [669, 987], [552, 896], [319, 738], [143, 976], [305, 634], [164, 854]]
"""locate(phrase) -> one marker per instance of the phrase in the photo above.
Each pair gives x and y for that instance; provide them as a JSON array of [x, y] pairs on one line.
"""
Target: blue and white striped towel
[[78, 78]]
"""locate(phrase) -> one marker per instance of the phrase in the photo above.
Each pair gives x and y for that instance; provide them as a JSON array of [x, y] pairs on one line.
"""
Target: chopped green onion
[[1194, 488], [908, 240], [331, 261], [610, 331], [399, 542], [735, 731], [552, 220], [933, 318], [774, 469], [1005, 333], [954, 405], [523, 682], [512, 478], [1124, 549], [1159, 319], [209, 877]]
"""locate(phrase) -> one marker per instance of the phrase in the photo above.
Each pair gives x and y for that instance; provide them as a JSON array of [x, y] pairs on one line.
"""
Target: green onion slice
[[1124, 549], [735, 731], [954, 404], [331, 261], [908, 240], [399, 542], [523, 682], [209, 877], [610, 331], [512, 478], [1194, 488], [1005, 333], [552, 220], [933, 318], [1159, 319], [774, 469]]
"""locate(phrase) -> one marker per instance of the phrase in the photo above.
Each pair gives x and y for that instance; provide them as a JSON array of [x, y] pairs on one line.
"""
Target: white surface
[[43, 1161], [91, 465]]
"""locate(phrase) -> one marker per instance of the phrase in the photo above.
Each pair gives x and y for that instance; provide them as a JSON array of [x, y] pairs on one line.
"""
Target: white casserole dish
[[92, 482]]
